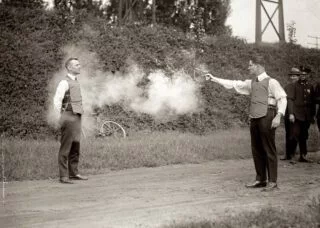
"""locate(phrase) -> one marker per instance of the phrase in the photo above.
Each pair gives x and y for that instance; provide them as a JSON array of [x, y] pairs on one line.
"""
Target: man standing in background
[[267, 106], [294, 77], [301, 111], [68, 105], [317, 101]]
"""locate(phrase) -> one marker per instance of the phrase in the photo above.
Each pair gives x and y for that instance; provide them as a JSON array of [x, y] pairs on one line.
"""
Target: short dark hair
[[68, 61], [258, 59]]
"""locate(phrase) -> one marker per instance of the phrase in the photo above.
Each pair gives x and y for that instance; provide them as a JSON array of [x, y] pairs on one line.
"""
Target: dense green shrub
[[32, 42]]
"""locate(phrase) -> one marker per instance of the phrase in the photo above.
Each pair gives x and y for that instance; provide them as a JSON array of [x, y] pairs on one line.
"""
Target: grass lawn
[[37, 159], [265, 218]]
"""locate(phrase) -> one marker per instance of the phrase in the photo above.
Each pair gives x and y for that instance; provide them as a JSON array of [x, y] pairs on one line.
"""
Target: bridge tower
[[260, 4]]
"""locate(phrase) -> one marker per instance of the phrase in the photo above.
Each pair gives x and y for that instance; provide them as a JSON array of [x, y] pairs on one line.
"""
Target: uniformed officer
[[301, 111], [317, 101], [293, 77]]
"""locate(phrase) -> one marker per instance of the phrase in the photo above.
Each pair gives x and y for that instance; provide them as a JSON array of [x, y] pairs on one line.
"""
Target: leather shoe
[[303, 159], [257, 184], [65, 180], [285, 158], [293, 162], [270, 187], [78, 177]]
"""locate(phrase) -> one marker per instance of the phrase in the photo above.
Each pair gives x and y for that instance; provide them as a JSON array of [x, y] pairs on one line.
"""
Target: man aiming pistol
[[267, 105]]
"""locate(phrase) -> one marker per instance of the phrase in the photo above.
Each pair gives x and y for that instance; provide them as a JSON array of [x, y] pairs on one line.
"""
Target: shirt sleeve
[[279, 94], [241, 87], [59, 95]]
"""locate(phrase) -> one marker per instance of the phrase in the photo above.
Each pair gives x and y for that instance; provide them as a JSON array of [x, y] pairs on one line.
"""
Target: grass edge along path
[[267, 217], [37, 159]]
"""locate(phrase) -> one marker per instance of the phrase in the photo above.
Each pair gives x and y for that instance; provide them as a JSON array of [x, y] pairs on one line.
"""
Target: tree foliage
[[291, 28], [24, 3], [68, 6], [184, 14]]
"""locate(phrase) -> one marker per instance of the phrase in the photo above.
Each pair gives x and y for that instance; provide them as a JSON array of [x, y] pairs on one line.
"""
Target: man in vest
[[267, 106], [301, 111], [294, 77], [68, 103]]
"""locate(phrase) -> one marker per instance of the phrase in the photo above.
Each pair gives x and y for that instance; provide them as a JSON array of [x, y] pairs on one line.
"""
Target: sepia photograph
[[160, 113]]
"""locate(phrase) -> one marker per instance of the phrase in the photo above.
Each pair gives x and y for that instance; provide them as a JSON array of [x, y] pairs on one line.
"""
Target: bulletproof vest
[[259, 98], [72, 100]]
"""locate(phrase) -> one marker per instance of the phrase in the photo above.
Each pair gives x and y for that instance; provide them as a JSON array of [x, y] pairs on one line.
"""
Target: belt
[[272, 106], [272, 101]]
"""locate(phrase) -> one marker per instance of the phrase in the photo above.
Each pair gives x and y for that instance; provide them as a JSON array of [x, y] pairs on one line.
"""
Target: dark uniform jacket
[[288, 88], [317, 98], [300, 97]]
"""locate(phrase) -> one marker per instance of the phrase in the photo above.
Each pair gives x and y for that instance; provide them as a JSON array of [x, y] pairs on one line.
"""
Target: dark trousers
[[289, 131], [69, 152], [263, 147], [299, 134]]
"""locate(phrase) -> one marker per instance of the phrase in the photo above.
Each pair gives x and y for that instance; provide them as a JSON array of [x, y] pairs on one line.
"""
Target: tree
[[211, 13], [215, 15], [24, 3], [198, 16], [88, 5], [291, 28]]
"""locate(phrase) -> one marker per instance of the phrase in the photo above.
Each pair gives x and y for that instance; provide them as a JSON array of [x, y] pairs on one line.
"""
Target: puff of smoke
[[164, 96], [168, 96], [108, 89]]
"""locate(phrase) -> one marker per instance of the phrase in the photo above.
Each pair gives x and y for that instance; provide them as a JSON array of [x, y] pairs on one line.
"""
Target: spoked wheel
[[112, 129]]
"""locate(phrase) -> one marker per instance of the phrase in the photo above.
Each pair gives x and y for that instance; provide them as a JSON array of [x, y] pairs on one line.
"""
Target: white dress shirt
[[60, 92], [244, 87]]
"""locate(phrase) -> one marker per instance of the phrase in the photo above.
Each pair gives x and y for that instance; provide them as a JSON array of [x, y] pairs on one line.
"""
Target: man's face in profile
[[74, 67], [252, 68]]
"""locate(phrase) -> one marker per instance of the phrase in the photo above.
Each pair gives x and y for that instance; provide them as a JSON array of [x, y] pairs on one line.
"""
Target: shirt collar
[[262, 76], [72, 76]]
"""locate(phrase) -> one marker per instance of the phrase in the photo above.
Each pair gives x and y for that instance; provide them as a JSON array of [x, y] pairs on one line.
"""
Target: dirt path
[[151, 197]]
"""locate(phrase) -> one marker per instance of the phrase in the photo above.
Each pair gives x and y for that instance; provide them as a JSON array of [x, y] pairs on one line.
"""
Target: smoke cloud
[[163, 96], [168, 96]]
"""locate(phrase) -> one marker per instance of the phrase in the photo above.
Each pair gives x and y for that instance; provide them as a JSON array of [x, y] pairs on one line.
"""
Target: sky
[[305, 13]]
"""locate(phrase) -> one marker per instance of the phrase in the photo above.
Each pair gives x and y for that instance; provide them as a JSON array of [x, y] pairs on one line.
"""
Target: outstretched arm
[[242, 87]]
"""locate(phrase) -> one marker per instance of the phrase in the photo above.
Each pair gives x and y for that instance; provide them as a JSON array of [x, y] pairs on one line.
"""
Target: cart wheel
[[112, 129]]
